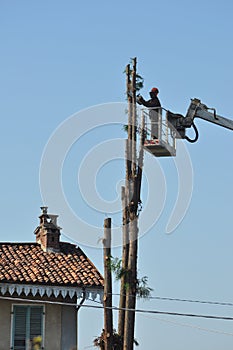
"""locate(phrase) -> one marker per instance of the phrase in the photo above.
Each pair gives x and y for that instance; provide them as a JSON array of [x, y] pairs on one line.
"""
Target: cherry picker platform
[[163, 127], [159, 137]]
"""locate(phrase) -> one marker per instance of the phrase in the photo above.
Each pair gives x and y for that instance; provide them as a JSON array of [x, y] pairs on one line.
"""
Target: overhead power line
[[187, 300], [194, 301], [187, 325], [215, 317]]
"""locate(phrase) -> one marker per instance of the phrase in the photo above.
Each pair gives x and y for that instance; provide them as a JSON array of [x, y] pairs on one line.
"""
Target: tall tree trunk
[[125, 195], [125, 256], [140, 159], [108, 319], [131, 286], [133, 199], [134, 120], [129, 143]]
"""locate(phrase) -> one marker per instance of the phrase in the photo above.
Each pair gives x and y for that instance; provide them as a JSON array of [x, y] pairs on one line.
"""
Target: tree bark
[[133, 200], [108, 319], [125, 256], [134, 119], [131, 286], [140, 159], [129, 143]]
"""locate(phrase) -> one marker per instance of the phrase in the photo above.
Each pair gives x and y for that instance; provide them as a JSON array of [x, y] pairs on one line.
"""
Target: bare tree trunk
[[140, 159], [129, 143], [108, 319], [131, 286], [133, 200], [134, 119], [130, 202], [126, 195], [125, 256]]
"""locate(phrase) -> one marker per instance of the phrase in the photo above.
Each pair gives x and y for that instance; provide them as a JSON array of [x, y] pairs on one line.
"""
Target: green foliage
[[116, 268], [125, 127], [139, 82], [100, 341], [143, 290], [139, 78]]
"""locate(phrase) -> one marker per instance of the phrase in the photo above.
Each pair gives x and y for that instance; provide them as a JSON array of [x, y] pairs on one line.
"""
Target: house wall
[[5, 324], [60, 329], [52, 326], [69, 328]]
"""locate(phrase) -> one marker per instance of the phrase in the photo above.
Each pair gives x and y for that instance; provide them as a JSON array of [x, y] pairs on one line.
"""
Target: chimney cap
[[44, 210], [53, 218]]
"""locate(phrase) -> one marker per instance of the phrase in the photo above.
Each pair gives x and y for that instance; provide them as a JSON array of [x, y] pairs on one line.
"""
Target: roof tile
[[28, 263]]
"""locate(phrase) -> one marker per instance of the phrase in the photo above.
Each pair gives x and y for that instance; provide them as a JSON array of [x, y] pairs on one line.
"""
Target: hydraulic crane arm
[[199, 110], [196, 110]]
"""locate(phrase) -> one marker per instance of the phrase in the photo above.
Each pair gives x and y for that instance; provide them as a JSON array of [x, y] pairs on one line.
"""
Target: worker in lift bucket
[[154, 114]]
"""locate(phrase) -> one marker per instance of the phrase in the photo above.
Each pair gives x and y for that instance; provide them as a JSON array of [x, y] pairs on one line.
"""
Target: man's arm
[[143, 102], [149, 103]]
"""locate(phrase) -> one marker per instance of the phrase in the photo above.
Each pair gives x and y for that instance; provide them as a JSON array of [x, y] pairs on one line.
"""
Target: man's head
[[154, 92]]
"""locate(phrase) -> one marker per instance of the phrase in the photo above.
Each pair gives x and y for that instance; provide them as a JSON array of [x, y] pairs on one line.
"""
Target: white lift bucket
[[160, 139]]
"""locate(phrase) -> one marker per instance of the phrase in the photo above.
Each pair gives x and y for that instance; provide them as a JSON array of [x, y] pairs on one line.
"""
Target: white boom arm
[[196, 110], [199, 110]]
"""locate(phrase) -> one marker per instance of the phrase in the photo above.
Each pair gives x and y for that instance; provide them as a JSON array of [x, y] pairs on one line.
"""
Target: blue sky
[[58, 58]]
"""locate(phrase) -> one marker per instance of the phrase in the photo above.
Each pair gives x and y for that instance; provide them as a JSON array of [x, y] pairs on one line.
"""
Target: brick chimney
[[48, 233]]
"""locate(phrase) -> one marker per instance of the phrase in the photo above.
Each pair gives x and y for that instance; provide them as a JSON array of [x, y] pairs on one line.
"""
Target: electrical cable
[[194, 301], [183, 300], [188, 325], [180, 324], [226, 318]]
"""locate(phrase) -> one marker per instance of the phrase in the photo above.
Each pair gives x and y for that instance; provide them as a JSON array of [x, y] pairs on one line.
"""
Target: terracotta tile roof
[[28, 263]]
